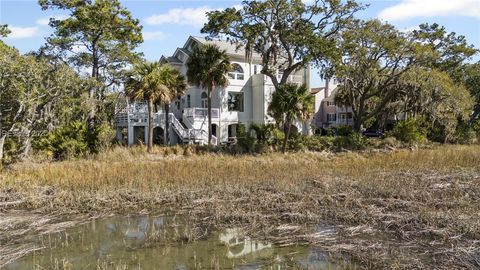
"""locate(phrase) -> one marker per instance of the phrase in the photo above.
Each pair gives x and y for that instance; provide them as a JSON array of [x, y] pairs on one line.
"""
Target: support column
[[146, 134], [130, 135], [119, 135]]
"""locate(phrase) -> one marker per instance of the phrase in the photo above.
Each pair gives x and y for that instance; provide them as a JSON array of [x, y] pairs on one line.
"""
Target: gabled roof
[[332, 95], [232, 49], [170, 60], [316, 90]]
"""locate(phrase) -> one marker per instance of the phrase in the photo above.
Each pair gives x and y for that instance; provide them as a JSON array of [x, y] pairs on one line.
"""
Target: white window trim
[[236, 75], [329, 120]]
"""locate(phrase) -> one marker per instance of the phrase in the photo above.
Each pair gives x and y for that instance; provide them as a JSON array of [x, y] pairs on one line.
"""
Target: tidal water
[[164, 242]]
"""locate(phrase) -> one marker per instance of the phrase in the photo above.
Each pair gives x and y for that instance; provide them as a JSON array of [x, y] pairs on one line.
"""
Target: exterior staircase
[[190, 135]]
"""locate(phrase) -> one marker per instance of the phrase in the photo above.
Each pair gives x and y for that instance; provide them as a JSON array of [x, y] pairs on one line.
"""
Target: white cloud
[[423, 8], [45, 20], [195, 17], [22, 32], [153, 35]]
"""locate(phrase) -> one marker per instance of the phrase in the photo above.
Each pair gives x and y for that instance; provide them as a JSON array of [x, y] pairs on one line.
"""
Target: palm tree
[[291, 102], [175, 82], [153, 82], [207, 68]]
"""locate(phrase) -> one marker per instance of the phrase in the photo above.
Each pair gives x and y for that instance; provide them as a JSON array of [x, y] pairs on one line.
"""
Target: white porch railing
[[297, 79], [191, 135], [123, 119], [344, 122], [201, 112]]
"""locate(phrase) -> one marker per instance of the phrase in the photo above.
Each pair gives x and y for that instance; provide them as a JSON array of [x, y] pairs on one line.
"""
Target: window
[[204, 98], [236, 73], [232, 131], [235, 102], [177, 104], [331, 117], [255, 67], [330, 103], [188, 102]]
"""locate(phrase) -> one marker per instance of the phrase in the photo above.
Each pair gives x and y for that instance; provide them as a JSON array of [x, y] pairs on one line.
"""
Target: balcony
[[138, 118], [202, 113], [296, 79], [344, 122]]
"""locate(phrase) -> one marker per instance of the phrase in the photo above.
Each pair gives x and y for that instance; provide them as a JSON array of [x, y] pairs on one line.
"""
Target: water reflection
[[145, 243], [239, 245]]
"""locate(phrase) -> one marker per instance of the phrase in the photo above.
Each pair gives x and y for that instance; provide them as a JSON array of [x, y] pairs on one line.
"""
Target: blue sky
[[167, 24]]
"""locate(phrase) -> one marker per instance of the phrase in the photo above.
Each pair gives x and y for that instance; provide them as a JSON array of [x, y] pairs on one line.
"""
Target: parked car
[[373, 134]]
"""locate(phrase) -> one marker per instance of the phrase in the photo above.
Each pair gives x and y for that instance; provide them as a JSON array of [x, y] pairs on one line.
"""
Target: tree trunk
[[358, 117], [287, 135], [92, 94], [209, 109], [475, 115], [357, 125], [27, 145], [2, 143], [150, 125], [167, 110]]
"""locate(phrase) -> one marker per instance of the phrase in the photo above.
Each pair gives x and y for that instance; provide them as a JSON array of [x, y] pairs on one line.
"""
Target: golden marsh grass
[[402, 202]]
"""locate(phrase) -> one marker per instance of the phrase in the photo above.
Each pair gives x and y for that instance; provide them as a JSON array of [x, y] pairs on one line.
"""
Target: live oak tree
[[451, 50], [4, 31], [287, 34], [434, 96], [36, 96], [99, 36], [375, 55], [472, 82]]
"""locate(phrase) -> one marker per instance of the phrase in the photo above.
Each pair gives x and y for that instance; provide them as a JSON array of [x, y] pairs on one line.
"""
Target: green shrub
[[409, 131], [318, 143], [464, 134], [353, 141], [65, 142], [11, 149], [104, 137], [245, 141], [258, 139], [345, 130]]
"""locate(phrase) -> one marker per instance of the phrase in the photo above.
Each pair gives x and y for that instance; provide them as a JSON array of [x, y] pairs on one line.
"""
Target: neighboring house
[[327, 112], [244, 101]]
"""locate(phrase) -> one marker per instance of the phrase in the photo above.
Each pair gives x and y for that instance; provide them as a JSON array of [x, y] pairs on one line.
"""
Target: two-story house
[[327, 112], [244, 101]]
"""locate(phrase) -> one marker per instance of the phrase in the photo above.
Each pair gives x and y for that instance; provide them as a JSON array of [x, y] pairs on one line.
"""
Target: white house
[[244, 101]]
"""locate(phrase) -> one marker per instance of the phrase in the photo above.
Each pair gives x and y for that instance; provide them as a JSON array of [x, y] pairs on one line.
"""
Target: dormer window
[[192, 46], [236, 73]]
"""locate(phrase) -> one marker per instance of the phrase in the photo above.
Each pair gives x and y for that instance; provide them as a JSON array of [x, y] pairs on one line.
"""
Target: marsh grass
[[389, 206]]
